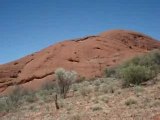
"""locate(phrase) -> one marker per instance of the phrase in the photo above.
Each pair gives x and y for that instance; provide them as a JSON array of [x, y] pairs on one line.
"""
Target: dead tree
[[56, 102]]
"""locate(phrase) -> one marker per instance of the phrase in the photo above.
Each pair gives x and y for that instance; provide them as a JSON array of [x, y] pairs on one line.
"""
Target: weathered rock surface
[[89, 56]]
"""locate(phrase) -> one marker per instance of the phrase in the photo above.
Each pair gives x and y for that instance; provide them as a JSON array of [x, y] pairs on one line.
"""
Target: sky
[[27, 26]]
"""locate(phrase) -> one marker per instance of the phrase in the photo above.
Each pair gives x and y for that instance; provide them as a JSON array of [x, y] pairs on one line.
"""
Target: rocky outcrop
[[89, 56]]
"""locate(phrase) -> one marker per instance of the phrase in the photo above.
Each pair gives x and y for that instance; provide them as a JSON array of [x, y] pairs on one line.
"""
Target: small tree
[[64, 79]]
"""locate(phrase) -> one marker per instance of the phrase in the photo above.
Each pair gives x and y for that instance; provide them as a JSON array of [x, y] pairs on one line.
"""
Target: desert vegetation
[[16, 98], [64, 80], [121, 94], [137, 70]]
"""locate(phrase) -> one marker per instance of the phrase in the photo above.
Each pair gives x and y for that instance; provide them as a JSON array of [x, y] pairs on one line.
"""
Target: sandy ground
[[103, 99]]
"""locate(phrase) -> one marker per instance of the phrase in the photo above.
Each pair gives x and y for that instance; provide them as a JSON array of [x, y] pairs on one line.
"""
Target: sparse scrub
[[96, 88], [95, 100], [17, 97], [104, 98], [62, 103], [80, 79], [96, 107], [130, 101], [75, 87], [103, 88], [14, 99], [49, 86], [146, 101], [97, 82], [85, 83], [64, 79], [138, 90], [3, 105], [75, 117], [156, 103], [85, 90], [106, 88], [110, 72], [47, 92], [41, 94], [30, 98], [140, 69]]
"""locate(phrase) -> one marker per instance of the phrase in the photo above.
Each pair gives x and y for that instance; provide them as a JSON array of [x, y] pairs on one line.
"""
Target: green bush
[[4, 107], [151, 60], [64, 79], [135, 74], [110, 72], [140, 68]]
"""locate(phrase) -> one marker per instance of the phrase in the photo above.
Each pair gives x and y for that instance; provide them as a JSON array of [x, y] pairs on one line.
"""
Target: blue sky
[[28, 26]]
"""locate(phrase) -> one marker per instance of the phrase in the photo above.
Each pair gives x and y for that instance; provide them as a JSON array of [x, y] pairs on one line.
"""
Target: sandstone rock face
[[89, 56]]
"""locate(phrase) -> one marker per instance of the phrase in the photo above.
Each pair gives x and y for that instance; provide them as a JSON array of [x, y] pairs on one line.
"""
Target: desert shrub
[[104, 98], [156, 103], [107, 88], [20, 95], [135, 74], [49, 86], [47, 89], [96, 88], [85, 90], [96, 107], [103, 88], [17, 97], [30, 97], [130, 101], [75, 87], [3, 105], [151, 60], [46, 95], [64, 79], [85, 83], [97, 82], [80, 79], [138, 89], [110, 72], [75, 117], [140, 68], [62, 103]]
